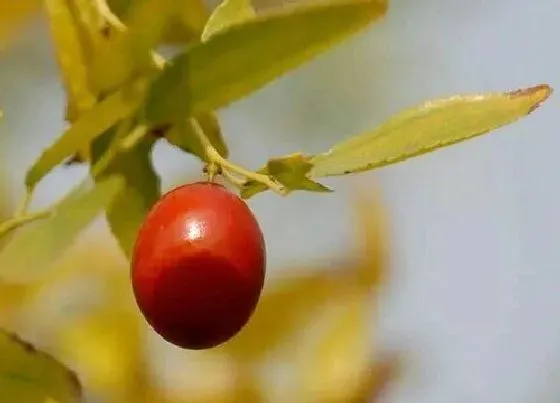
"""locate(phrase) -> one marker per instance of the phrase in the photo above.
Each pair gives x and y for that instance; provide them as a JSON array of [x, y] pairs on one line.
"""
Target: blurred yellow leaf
[[227, 14], [286, 307], [374, 380], [372, 235], [211, 377], [31, 250], [427, 127], [31, 376], [331, 367], [107, 348], [13, 15], [12, 297]]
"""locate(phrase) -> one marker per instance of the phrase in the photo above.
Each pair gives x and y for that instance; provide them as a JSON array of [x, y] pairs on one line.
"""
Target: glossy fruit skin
[[198, 265]]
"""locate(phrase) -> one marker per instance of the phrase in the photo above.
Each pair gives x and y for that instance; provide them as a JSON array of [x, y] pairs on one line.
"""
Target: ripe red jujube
[[198, 265]]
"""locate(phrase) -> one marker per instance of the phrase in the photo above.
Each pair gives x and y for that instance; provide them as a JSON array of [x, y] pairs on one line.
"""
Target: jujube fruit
[[198, 265]]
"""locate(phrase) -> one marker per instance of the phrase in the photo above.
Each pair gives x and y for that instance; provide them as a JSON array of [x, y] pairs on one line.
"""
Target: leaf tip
[[538, 93]]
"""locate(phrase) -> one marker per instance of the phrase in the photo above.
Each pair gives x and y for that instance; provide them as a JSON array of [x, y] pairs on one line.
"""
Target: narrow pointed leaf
[[129, 53], [140, 191], [73, 47], [28, 375], [91, 125], [238, 61], [428, 127], [32, 249], [227, 14]]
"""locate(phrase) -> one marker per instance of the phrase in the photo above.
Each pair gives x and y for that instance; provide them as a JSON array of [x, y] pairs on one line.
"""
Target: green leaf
[[140, 191], [234, 63], [32, 249], [192, 19], [73, 46], [120, 7], [91, 124], [252, 188], [227, 14], [187, 25], [128, 54], [291, 171], [428, 127], [182, 135], [31, 376]]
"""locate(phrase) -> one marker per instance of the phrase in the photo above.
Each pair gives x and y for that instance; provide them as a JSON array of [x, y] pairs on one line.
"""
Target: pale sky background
[[474, 227]]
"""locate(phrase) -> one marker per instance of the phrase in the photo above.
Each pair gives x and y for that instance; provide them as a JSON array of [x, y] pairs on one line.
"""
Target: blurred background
[[472, 231]]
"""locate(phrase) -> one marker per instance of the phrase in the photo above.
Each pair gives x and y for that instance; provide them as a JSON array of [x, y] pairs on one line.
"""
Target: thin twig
[[214, 157]]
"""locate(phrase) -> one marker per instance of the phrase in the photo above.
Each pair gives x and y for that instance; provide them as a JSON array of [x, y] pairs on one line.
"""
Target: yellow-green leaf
[[31, 376], [91, 125], [92, 20], [227, 14], [291, 171], [182, 135], [73, 51], [140, 191], [428, 127], [187, 25], [192, 19], [238, 61], [32, 250], [129, 52], [119, 7], [252, 188]]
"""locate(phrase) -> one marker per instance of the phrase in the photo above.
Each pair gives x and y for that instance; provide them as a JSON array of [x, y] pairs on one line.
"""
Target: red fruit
[[198, 265]]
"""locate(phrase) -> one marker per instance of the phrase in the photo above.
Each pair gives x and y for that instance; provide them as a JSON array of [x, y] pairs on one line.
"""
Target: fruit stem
[[238, 182], [215, 158]]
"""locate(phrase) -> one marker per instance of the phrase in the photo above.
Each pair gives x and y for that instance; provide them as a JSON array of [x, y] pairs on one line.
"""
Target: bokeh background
[[473, 230]]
